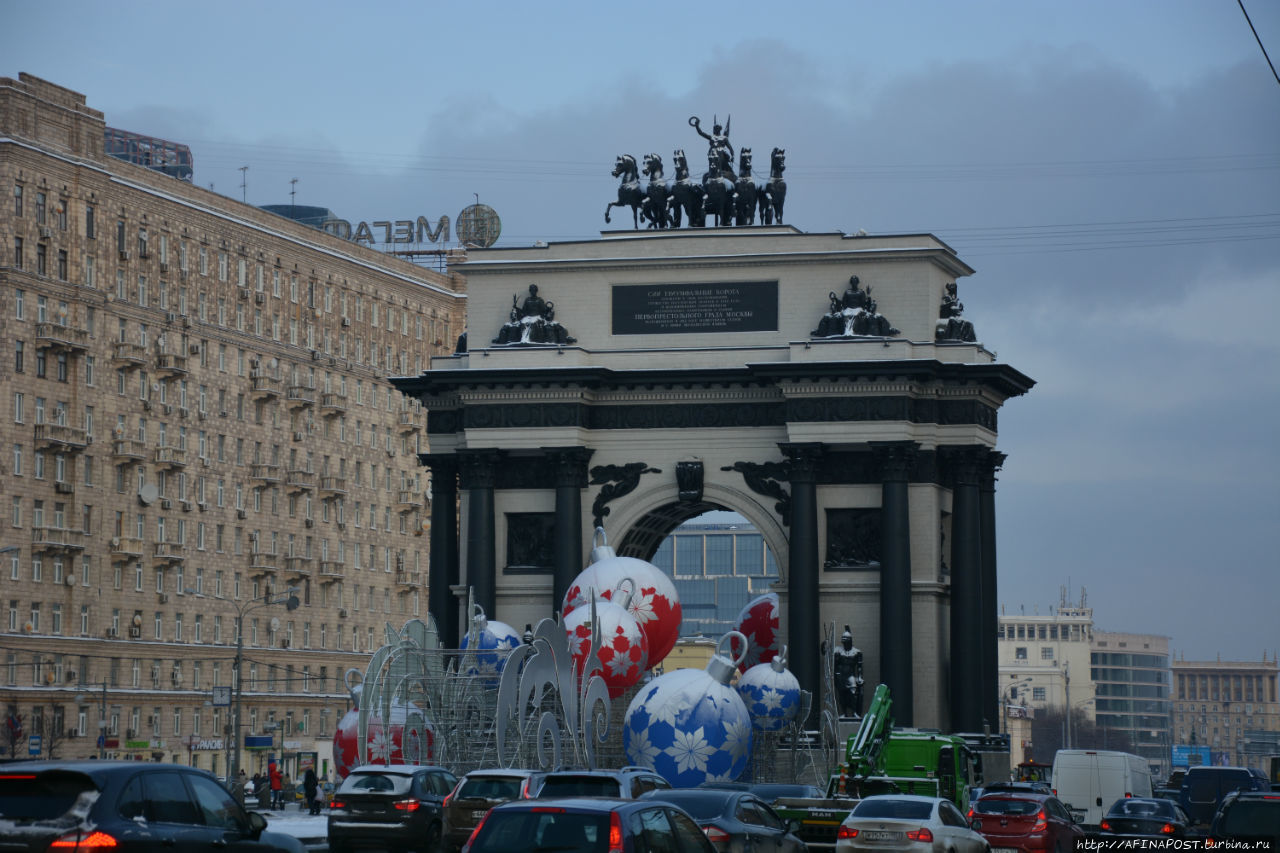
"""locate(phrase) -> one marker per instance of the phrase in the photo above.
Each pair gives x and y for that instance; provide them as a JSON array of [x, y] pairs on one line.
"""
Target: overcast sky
[[1111, 169]]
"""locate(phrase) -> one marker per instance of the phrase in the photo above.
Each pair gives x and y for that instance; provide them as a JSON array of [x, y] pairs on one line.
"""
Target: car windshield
[[891, 807], [1141, 808], [376, 783], [1007, 806], [1252, 817], [29, 798], [543, 832], [491, 788], [579, 786]]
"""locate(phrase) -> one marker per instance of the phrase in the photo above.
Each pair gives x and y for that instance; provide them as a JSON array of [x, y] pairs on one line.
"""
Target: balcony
[[331, 571], [171, 364], [408, 580], [266, 474], [408, 500], [44, 539], [333, 487], [56, 336], [125, 548], [298, 480], [166, 553], [171, 458], [58, 437], [300, 396], [264, 386], [297, 567], [129, 355], [263, 563], [128, 450], [409, 422], [333, 404]]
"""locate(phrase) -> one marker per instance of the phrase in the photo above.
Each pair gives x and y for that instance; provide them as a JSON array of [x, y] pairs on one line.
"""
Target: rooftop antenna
[[244, 184], [293, 189]]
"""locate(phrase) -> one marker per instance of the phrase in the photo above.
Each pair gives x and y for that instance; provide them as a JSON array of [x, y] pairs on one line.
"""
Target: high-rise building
[[196, 418], [1226, 712], [1131, 682]]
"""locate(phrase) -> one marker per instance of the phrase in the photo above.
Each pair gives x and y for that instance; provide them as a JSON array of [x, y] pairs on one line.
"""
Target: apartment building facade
[[196, 419]]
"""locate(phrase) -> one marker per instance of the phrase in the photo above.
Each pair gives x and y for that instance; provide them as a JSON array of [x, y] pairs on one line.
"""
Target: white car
[[904, 822]]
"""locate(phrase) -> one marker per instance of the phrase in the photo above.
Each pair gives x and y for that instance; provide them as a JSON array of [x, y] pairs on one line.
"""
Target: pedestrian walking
[[311, 788], [276, 780]]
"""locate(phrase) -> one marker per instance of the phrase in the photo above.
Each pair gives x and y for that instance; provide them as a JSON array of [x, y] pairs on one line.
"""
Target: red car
[[1023, 821]]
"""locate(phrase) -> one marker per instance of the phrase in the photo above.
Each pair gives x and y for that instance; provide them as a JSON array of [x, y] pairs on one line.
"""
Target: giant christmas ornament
[[655, 605], [759, 622], [690, 725], [409, 739], [492, 638], [771, 693], [624, 652]]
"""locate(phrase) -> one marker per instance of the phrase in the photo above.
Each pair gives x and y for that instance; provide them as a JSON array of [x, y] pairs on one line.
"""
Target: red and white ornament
[[759, 622], [624, 651], [655, 604]]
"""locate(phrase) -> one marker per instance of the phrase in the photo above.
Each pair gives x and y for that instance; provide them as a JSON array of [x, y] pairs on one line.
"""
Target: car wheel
[[432, 844]]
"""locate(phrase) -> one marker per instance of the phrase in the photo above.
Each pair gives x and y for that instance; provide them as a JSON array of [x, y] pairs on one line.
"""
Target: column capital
[[479, 468], [440, 463], [569, 465], [963, 463], [895, 459], [803, 460], [990, 464]]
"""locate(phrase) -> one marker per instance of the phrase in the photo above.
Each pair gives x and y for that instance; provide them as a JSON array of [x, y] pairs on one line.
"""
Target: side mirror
[[976, 824], [794, 826], [257, 823]]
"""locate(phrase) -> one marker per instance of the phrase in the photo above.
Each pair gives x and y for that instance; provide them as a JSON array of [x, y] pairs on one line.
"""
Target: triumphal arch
[[828, 388]]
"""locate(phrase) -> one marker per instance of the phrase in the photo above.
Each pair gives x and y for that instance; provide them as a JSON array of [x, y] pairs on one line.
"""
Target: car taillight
[[74, 842], [615, 833], [1042, 823], [921, 834], [970, 814], [1167, 829], [448, 799], [337, 804], [479, 826], [1106, 826], [716, 835], [409, 805]]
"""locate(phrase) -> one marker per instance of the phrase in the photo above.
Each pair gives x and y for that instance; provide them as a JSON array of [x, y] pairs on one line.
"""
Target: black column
[[571, 478], [990, 593], [444, 545], [804, 623], [967, 670], [895, 461], [479, 469]]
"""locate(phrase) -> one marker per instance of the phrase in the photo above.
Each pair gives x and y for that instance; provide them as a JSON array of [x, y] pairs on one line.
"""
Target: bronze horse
[[718, 188], [773, 195], [629, 192], [745, 203], [656, 197], [686, 195]]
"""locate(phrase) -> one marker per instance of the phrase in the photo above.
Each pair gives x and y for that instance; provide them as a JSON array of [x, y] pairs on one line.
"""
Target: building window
[[1037, 694], [17, 253], [1020, 653], [17, 199], [90, 227], [1046, 653]]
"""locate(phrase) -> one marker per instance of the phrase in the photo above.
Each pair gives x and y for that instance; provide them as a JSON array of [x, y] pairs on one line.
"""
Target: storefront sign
[[213, 744], [664, 309], [259, 741], [400, 231]]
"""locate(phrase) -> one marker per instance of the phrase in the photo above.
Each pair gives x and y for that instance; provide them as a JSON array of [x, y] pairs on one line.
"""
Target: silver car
[[904, 822]]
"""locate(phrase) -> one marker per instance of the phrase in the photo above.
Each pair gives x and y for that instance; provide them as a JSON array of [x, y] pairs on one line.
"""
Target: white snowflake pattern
[[669, 710], [641, 606], [771, 699], [620, 663], [690, 751], [737, 737], [642, 750], [381, 746]]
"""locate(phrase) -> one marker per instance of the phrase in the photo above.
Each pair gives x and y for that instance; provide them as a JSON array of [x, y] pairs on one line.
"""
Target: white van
[[1090, 780]]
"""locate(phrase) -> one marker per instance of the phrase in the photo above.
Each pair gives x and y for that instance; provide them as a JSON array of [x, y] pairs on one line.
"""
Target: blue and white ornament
[[491, 639], [690, 725], [771, 693]]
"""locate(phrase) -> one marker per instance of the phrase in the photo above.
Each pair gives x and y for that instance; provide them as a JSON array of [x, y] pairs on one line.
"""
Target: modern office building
[[1226, 712], [196, 418], [1131, 682]]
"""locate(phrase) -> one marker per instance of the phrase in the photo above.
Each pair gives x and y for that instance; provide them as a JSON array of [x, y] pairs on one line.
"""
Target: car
[[1143, 817], [910, 823], [1025, 787], [771, 792], [476, 793], [587, 825], [396, 806], [733, 820], [1025, 820], [626, 783], [128, 805], [1247, 816], [1205, 786]]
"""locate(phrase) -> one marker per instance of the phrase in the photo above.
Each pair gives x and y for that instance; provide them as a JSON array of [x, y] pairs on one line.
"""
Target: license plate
[[1004, 850], [879, 835], [479, 814]]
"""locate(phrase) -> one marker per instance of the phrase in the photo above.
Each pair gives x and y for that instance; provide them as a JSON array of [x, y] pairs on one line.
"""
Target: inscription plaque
[[647, 309]]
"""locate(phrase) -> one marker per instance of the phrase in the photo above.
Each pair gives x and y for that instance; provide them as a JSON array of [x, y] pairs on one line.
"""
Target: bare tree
[[14, 734], [1048, 734]]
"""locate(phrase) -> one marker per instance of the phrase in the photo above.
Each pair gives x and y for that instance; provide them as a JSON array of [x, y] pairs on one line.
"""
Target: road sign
[[33, 745], [221, 697]]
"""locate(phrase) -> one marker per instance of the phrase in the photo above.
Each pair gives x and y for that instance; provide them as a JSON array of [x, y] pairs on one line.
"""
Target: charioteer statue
[[533, 322]]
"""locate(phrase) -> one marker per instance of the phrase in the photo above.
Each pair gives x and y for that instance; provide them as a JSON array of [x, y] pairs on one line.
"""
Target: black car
[[1247, 816], [1145, 817], [587, 825], [626, 783], [397, 807], [733, 820], [127, 805], [476, 793]]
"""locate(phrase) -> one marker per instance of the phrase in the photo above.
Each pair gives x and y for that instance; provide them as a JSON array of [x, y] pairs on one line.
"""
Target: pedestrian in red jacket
[[277, 786]]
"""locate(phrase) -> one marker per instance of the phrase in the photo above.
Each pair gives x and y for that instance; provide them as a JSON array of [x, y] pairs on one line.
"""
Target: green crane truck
[[881, 759]]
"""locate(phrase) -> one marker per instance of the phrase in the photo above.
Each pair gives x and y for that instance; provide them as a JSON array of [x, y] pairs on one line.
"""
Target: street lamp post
[[102, 723], [289, 598]]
